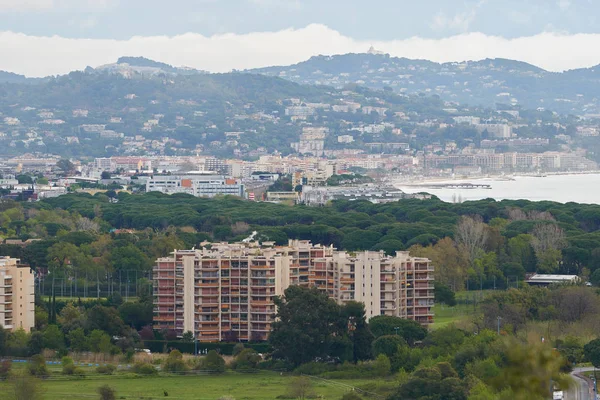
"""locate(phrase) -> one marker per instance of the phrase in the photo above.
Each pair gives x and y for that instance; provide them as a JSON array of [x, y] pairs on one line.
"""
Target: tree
[[107, 393], [105, 175], [99, 342], [300, 387], [444, 295], [3, 340], [65, 166], [387, 345], [105, 319], [188, 337], [548, 240], [529, 369], [53, 338], [382, 366], [431, 383], [60, 256], [409, 330], [592, 352], [354, 312], [138, 315], [77, 340], [471, 235], [305, 325]]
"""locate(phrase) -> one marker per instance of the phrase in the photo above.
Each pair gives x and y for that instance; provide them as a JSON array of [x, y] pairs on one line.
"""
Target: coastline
[[424, 181]]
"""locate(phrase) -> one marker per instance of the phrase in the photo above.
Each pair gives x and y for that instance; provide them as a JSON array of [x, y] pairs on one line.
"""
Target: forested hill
[[485, 82], [109, 91], [511, 237], [9, 77]]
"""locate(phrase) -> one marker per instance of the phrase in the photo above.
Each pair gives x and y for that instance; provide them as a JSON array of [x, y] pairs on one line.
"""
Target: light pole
[[499, 318]]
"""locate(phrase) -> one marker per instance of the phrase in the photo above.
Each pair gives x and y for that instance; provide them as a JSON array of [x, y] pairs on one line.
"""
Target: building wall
[[17, 285], [227, 292]]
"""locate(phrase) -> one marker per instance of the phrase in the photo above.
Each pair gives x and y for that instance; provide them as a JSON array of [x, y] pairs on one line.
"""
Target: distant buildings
[[226, 292], [495, 130], [199, 185], [312, 141], [17, 286]]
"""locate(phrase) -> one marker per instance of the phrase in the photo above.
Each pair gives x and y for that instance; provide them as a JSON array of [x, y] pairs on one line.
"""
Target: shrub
[[237, 349], [174, 362], [5, 367], [144, 369], [351, 396], [314, 368], [248, 359], [68, 366], [107, 393], [37, 366], [106, 369], [213, 363]]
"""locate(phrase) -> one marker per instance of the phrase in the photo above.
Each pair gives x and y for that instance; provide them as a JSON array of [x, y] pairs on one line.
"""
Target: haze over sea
[[584, 188]]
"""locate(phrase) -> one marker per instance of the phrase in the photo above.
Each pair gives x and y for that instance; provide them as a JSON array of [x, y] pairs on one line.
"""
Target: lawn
[[259, 386]]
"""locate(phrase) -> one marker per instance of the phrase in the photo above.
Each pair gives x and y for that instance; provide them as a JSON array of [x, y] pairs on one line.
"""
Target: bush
[[37, 366], [107, 393], [5, 367], [174, 362], [106, 369], [314, 368], [144, 369], [248, 359], [213, 363], [351, 396], [237, 349]]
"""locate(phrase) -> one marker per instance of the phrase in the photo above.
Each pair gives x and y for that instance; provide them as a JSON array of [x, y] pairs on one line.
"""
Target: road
[[581, 390]]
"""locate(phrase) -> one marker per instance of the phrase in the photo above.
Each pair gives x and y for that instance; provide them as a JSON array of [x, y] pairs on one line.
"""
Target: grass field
[[259, 386]]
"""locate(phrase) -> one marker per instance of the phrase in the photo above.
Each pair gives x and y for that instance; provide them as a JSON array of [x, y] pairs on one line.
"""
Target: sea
[[579, 188]]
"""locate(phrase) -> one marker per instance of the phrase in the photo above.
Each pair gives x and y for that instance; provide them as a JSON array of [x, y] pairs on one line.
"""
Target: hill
[[101, 113], [487, 82], [9, 77]]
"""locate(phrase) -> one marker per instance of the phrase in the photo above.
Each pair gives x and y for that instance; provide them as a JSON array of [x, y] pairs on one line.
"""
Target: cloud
[[25, 5], [564, 5], [290, 5], [460, 21], [41, 56], [52, 5]]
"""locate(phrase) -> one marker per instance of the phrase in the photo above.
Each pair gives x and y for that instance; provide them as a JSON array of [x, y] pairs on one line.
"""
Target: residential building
[[495, 130], [226, 291], [17, 298], [196, 184]]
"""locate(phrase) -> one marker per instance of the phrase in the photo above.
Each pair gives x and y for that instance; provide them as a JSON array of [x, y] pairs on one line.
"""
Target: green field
[[259, 386]]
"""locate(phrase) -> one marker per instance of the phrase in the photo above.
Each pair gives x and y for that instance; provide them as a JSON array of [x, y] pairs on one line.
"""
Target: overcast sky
[[41, 37]]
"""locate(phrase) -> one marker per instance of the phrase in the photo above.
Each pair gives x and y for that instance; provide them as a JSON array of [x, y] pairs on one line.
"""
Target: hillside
[[487, 82], [9, 77], [101, 113]]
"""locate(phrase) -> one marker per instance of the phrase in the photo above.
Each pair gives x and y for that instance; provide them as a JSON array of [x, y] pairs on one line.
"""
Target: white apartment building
[[199, 185]]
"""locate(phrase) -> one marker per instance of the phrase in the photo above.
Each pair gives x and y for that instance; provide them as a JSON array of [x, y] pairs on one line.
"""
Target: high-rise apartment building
[[17, 298], [226, 291]]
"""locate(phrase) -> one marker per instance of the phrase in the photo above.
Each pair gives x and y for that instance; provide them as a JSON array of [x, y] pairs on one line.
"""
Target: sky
[[48, 37]]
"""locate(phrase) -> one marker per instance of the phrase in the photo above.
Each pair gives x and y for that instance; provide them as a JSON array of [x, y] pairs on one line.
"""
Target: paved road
[[581, 390]]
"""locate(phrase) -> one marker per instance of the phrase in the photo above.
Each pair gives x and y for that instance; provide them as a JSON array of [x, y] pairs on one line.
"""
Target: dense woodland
[[100, 249]]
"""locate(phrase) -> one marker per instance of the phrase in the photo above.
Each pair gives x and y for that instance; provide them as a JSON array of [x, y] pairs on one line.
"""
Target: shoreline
[[424, 181]]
